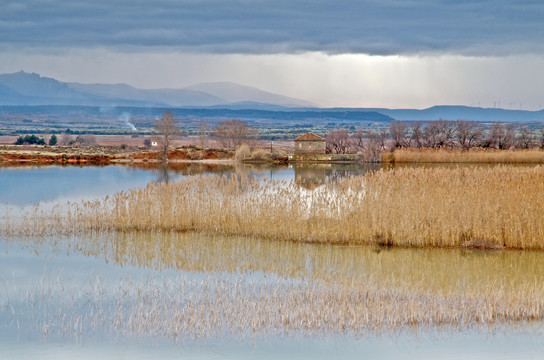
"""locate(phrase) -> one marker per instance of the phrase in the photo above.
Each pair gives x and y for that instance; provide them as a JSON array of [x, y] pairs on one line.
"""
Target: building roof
[[309, 137]]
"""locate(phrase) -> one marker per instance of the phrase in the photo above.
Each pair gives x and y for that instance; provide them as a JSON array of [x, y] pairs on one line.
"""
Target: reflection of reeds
[[498, 207], [437, 270], [243, 307], [474, 155]]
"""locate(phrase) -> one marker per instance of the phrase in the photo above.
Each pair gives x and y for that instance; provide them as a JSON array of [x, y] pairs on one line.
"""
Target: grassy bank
[[475, 155], [498, 207]]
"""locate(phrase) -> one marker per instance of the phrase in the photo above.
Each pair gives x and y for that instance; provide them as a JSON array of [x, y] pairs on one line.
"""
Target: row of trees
[[435, 134], [65, 139], [34, 140], [30, 140], [465, 134]]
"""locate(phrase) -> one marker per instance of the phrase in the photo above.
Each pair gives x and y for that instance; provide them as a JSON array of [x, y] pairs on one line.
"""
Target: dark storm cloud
[[485, 27]]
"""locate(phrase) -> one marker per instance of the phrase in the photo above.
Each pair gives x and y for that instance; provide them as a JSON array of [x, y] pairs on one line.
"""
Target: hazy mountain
[[463, 113], [23, 89], [234, 93], [6, 91], [164, 97], [33, 89]]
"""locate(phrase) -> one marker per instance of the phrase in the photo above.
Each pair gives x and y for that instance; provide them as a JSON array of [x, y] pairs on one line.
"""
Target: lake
[[117, 295]]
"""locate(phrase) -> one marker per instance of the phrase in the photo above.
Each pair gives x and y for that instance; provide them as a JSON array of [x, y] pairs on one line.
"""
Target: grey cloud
[[484, 27]]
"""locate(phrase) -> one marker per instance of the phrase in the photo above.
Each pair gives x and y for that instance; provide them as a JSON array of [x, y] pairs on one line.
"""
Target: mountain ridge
[[31, 89]]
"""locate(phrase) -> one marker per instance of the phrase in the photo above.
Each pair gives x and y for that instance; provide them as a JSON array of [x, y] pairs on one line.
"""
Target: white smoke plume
[[125, 119]]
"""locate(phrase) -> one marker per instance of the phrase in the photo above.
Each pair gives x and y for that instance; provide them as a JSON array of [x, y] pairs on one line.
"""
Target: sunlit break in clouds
[[390, 53]]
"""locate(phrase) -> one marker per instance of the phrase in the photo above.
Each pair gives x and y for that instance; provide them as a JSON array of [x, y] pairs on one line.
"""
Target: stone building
[[309, 144]]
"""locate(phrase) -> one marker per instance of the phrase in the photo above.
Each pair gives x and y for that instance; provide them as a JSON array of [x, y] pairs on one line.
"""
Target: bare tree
[[86, 140], [468, 133], [358, 140], [398, 130], [500, 136], [525, 138], [509, 139], [65, 139], [439, 133], [338, 141], [168, 130], [233, 133], [375, 145], [203, 132], [417, 134]]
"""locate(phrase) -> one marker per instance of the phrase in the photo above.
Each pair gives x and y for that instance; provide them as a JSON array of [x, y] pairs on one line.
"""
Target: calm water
[[26, 185], [39, 276]]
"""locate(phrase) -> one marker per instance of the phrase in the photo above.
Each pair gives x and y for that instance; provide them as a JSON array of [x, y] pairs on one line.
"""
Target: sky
[[367, 53]]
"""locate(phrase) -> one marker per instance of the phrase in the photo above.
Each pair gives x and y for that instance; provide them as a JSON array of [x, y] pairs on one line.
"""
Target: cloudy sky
[[367, 53]]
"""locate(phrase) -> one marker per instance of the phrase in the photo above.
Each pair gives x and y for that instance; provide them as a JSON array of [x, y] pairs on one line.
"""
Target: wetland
[[76, 283]]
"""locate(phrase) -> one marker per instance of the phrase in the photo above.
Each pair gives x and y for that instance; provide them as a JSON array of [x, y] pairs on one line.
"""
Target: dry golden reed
[[474, 155], [492, 207]]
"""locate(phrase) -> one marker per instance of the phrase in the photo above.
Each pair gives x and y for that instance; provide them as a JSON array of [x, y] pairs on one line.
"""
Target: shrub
[[260, 155], [242, 152], [30, 140], [53, 140]]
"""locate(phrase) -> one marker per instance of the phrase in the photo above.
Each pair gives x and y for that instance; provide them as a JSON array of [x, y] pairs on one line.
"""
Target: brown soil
[[102, 155]]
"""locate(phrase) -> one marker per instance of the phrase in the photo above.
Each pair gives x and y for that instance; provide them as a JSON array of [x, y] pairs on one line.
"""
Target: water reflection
[[311, 176], [437, 270], [24, 186]]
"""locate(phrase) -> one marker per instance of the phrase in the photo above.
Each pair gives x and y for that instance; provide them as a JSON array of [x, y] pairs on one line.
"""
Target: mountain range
[[23, 88], [30, 89]]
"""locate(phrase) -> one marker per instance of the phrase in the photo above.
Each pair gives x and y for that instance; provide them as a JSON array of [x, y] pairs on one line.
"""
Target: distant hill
[[32, 89], [463, 113], [214, 115], [6, 91], [163, 97], [222, 99], [234, 93], [23, 88]]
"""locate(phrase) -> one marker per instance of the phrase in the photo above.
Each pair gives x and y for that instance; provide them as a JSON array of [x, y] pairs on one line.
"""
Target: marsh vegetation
[[456, 156], [483, 207], [253, 257]]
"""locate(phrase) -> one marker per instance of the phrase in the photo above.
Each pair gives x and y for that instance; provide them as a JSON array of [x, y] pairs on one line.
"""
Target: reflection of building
[[310, 177], [309, 143]]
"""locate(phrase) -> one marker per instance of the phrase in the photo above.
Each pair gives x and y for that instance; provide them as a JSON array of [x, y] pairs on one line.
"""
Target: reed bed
[[473, 155], [211, 307], [492, 207]]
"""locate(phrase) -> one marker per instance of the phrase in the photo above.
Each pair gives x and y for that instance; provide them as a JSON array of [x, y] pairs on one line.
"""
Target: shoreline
[[120, 155]]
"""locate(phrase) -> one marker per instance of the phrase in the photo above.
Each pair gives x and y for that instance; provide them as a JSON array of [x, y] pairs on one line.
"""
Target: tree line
[[435, 134]]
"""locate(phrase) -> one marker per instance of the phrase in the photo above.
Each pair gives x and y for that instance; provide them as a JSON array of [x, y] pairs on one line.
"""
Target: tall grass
[[474, 155], [498, 207]]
